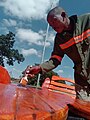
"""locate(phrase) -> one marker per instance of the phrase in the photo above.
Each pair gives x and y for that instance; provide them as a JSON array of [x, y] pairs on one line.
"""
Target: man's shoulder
[[75, 17], [86, 15]]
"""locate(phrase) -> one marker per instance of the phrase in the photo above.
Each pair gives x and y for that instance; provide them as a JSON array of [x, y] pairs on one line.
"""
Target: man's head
[[58, 19]]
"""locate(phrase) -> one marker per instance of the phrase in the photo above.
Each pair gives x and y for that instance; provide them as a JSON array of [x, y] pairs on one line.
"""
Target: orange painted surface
[[7, 102], [63, 85], [22, 103], [27, 103], [61, 89], [4, 76], [61, 78], [55, 84], [81, 108]]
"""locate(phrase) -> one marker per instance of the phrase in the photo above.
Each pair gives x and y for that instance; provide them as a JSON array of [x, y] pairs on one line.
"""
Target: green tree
[[7, 52]]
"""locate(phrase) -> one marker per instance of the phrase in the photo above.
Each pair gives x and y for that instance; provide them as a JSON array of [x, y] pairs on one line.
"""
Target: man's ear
[[63, 14]]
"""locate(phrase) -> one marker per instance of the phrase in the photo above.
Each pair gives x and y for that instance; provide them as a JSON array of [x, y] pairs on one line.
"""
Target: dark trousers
[[82, 87]]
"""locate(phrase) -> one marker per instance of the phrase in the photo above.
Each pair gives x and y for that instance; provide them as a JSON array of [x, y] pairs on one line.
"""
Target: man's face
[[58, 23]]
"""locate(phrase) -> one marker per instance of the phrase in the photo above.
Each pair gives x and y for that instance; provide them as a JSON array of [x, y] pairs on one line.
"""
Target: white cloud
[[31, 51], [27, 9], [27, 35]]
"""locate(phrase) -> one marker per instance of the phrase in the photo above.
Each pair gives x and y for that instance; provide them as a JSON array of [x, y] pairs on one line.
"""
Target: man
[[72, 39]]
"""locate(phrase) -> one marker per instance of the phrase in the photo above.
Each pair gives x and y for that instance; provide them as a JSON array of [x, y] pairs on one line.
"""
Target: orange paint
[[28, 103], [4, 76]]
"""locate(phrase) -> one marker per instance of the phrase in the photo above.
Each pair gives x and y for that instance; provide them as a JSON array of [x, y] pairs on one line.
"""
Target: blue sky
[[27, 19]]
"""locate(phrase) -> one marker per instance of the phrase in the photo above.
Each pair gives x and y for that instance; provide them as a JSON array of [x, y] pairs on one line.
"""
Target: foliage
[[33, 81], [7, 53]]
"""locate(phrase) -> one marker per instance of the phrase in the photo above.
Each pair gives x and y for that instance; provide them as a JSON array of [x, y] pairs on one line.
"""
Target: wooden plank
[[81, 108], [62, 90], [63, 79], [7, 102], [57, 84], [21, 103], [33, 104], [26, 103]]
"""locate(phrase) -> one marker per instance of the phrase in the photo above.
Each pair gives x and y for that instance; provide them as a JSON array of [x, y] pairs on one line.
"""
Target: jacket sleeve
[[55, 59]]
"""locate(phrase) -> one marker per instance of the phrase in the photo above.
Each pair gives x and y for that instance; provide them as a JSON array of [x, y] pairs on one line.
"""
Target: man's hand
[[31, 71]]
